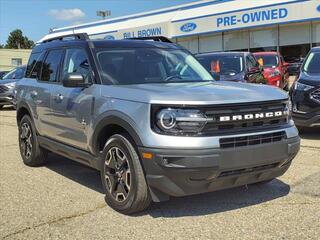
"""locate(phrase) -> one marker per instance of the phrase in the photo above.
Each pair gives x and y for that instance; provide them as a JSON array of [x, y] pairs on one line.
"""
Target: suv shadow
[[196, 205]]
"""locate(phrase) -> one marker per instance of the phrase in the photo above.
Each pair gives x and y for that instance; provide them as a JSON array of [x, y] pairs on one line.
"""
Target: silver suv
[[151, 119]]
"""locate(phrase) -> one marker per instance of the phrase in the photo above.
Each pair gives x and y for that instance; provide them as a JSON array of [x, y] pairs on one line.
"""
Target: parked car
[[232, 66], [2, 73], [275, 68], [305, 93], [7, 86], [295, 66], [151, 119]]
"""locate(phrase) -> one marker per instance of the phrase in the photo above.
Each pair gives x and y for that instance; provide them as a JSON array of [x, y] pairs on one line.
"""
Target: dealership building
[[289, 26]]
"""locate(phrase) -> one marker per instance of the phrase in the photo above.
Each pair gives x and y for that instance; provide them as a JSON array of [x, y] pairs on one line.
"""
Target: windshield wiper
[[173, 77]]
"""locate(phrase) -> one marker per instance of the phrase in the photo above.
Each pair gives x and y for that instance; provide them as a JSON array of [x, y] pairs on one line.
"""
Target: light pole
[[104, 14]]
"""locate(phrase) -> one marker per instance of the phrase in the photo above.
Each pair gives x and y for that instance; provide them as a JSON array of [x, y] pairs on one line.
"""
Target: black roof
[[106, 44], [223, 54]]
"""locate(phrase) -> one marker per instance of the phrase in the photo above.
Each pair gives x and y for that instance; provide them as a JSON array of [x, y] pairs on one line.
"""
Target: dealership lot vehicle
[[275, 68], [64, 200], [232, 66], [151, 119], [305, 93], [7, 86], [2, 74]]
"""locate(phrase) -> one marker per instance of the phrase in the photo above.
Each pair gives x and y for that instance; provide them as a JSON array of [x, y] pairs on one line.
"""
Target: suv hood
[[200, 93]]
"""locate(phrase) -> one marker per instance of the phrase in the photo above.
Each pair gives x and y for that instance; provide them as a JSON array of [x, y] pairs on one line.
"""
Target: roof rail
[[154, 38], [76, 36]]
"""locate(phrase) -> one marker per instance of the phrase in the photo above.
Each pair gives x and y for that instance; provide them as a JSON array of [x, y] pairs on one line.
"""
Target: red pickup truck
[[275, 68]]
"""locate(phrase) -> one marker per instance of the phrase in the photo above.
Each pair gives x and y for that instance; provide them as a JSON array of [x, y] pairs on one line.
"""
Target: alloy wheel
[[117, 174], [26, 140]]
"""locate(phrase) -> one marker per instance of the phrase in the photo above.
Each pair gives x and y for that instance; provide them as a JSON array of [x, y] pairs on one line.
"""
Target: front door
[[72, 107]]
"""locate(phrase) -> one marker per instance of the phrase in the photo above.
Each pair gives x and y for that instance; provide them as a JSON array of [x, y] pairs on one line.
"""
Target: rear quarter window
[[34, 66]]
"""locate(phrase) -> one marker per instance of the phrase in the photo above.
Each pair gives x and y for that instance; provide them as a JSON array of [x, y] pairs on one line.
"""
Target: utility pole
[[104, 14]]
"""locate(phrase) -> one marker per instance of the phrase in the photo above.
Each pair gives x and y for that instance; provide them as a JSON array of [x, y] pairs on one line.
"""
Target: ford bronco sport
[[151, 119]]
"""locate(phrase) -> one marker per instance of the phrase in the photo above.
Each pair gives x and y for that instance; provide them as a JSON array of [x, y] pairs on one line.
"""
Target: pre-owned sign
[[259, 16]]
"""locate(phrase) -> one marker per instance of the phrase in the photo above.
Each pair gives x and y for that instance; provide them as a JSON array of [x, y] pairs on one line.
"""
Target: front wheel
[[122, 176], [31, 152]]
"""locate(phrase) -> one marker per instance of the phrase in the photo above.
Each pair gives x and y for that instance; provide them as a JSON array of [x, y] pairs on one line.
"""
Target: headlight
[[276, 73], [10, 85], [180, 121], [302, 87]]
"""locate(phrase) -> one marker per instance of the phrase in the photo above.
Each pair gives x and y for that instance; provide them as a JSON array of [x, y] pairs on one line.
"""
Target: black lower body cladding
[[181, 172]]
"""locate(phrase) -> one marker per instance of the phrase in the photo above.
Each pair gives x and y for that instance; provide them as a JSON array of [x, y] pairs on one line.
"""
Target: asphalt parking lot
[[63, 200]]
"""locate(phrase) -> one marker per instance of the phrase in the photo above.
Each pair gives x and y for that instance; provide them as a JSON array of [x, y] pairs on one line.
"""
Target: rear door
[[43, 76], [72, 107]]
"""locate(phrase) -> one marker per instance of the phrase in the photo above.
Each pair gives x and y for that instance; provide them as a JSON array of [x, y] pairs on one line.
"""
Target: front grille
[[234, 142], [315, 95], [247, 170], [217, 126], [3, 88]]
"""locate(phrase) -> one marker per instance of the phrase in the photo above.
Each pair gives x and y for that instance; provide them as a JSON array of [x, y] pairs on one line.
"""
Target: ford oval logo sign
[[109, 37], [188, 27], [318, 8]]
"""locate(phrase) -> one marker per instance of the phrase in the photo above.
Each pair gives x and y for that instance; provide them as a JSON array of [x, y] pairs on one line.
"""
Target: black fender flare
[[116, 118], [20, 105]]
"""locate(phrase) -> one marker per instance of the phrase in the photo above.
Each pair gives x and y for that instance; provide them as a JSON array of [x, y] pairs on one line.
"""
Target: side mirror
[[74, 80]]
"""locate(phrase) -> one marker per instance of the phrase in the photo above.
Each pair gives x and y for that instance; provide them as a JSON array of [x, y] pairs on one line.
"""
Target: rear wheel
[[122, 176], [1, 106], [31, 152]]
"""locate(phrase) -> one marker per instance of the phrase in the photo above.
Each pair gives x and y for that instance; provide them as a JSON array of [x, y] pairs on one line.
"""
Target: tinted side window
[[76, 61], [50, 67], [251, 62], [31, 63]]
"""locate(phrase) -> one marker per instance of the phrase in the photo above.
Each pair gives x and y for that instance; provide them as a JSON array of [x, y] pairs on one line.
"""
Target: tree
[[1, 46], [16, 40]]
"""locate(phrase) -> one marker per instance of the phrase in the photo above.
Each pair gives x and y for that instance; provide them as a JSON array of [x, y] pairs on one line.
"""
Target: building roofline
[[143, 14]]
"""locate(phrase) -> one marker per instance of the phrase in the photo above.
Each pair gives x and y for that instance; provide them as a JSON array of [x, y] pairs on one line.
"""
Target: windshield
[[223, 65], [312, 64], [150, 65], [268, 60]]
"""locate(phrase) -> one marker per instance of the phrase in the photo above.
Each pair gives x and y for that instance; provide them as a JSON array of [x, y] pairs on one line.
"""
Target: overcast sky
[[36, 17]]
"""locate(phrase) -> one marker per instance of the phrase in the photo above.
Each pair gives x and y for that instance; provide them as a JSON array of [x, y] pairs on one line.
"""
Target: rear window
[[312, 64], [268, 60]]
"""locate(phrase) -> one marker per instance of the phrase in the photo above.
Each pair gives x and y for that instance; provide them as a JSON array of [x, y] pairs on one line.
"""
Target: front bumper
[[7, 99], [181, 172]]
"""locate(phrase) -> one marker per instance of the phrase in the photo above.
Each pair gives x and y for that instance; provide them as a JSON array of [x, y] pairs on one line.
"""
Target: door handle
[[58, 97]]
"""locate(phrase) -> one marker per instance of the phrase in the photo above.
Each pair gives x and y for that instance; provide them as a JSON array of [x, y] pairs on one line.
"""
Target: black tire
[[31, 152], [122, 176], [1, 106]]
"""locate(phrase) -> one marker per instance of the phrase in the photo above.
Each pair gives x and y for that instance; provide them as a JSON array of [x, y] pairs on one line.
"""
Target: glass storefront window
[[316, 33], [210, 43], [295, 41], [190, 43], [235, 41], [264, 39]]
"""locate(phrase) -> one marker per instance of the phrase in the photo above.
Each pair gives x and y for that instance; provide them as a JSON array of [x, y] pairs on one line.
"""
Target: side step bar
[[67, 151]]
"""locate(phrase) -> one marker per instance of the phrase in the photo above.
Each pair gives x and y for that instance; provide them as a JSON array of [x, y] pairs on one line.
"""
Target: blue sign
[[109, 37], [318, 8], [188, 27], [253, 17]]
